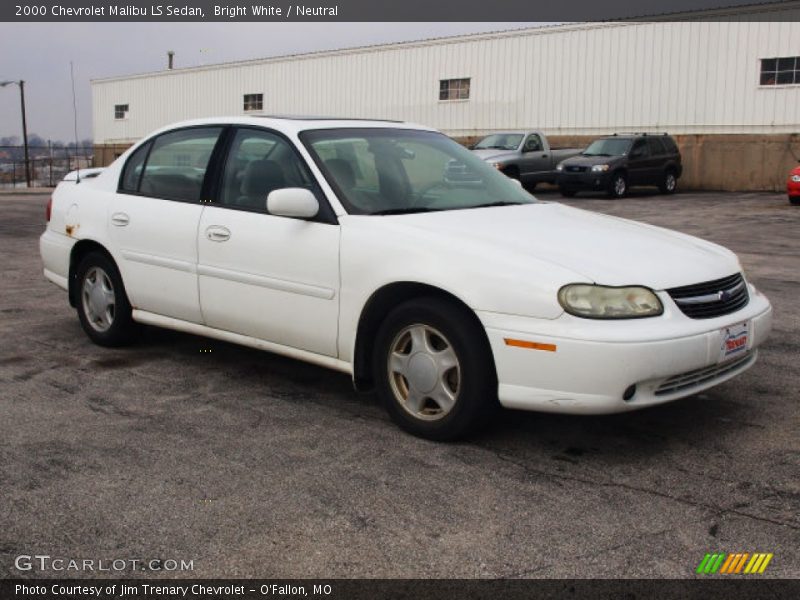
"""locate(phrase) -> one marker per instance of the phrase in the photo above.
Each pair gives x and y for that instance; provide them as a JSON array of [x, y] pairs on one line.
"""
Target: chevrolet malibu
[[353, 245]]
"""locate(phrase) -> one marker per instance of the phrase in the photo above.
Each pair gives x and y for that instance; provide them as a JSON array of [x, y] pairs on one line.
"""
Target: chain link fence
[[48, 164]]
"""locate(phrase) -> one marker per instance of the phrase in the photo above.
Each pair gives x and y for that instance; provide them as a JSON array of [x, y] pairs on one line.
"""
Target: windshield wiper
[[493, 204], [404, 211]]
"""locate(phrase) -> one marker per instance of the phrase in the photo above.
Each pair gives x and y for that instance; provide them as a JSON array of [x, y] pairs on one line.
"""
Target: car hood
[[599, 248], [494, 154], [588, 161]]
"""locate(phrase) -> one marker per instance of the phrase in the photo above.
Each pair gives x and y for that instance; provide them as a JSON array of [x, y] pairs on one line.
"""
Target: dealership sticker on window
[[734, 341]]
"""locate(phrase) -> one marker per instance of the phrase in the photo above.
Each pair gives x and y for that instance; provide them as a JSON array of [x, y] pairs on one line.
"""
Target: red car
[[793, 186]]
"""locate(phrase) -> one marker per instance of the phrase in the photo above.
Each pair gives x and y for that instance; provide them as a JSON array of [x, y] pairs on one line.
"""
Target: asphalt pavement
[[249, 464]]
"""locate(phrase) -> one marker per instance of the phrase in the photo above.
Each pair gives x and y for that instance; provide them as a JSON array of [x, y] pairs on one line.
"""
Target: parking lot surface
[[250, 464]]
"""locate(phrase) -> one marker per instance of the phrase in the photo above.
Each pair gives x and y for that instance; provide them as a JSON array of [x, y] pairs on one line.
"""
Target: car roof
[[295, 124]]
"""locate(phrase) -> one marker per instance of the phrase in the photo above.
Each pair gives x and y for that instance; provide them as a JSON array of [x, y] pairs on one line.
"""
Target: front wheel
[[434, 370], [619, 186], [103, 307]]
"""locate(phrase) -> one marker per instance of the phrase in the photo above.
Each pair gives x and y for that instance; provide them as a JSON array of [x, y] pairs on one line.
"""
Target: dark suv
[[616, 162]]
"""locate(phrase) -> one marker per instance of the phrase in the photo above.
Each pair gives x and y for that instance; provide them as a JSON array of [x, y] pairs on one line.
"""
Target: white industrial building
[[720, 86]]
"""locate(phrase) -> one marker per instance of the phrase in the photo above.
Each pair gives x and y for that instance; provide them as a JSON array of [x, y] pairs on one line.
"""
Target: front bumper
[[585, 180], [583, 366]]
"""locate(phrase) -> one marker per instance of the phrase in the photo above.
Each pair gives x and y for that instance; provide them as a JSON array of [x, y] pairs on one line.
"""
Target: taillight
[[49, 209]]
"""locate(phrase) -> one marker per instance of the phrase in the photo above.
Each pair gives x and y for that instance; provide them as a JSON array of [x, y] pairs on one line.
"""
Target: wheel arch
[[79, 250], [375, 310]]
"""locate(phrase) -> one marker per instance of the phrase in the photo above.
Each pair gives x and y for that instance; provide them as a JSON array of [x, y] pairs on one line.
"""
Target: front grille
[[575, 169], [712, 298], [691, 379]]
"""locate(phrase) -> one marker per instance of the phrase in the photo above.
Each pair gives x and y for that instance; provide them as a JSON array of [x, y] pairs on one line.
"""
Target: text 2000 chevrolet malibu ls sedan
[[387, 251]]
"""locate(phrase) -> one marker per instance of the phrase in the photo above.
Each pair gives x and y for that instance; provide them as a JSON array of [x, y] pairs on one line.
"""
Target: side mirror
[[296, 203]]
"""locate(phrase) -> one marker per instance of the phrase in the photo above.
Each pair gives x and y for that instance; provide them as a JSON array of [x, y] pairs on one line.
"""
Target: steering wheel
[[419, 200]]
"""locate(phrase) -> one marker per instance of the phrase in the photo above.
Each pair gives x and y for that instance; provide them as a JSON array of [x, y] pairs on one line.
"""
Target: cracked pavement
[[251, 464]]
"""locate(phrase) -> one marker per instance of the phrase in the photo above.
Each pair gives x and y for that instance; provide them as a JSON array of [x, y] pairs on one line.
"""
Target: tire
[[618, 186], [794, 200], [669, 182], [567, 193], [103, 307], [435, 345]]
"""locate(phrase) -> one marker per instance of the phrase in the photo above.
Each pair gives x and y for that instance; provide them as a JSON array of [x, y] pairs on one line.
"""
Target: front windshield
[[500, 141], [395, 171], [608, 147]]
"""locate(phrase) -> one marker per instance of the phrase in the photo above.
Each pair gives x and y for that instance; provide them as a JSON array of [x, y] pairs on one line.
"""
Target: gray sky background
[[40, 54]]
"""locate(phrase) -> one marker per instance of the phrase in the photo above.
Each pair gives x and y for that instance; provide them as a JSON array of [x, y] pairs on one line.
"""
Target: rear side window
[[133, 170], [656, 146], [176, 166], [672, 147]]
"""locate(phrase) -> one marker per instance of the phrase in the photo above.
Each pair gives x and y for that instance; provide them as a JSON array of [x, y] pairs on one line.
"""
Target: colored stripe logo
[[737, 563]]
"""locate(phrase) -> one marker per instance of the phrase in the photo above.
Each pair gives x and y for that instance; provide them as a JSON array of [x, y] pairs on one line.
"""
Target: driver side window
[[532, 144], [258, 163]]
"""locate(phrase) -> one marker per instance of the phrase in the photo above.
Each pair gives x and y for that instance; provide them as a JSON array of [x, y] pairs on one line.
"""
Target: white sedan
[[388, 251]]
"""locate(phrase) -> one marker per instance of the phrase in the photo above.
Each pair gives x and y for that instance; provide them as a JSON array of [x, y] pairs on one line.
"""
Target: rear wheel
[[794, 200], [434, 369], [669, 183], [618, 186], [103, 307]]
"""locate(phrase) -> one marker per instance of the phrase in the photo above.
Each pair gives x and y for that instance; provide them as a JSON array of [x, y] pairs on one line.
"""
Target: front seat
[[259, 179], [342, 172]]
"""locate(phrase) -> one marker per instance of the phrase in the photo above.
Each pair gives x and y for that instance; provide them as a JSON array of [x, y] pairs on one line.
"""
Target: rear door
[[261, 275], [639, 164], [154, 219]]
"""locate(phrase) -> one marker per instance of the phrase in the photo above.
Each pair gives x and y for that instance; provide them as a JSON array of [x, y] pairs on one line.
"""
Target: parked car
[[793, 186], [614, 164], [523, 155], [345, 243]]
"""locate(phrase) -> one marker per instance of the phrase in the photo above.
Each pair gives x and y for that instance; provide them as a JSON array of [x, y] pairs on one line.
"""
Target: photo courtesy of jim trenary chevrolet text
[[399, 300]]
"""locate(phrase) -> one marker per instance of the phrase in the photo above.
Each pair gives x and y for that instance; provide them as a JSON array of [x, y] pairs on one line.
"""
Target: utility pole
[[21, 85]]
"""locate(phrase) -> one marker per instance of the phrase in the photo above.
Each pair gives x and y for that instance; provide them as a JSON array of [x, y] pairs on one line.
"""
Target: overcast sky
[[40, 54]]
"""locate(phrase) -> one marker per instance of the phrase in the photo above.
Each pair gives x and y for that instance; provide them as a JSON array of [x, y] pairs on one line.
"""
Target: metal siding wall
[[687, 77]]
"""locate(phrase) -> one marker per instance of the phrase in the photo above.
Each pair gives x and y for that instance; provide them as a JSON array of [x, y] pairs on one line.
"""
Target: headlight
[[599, 168], [601, 302], [560, 167], [796, 178], [497, 165]]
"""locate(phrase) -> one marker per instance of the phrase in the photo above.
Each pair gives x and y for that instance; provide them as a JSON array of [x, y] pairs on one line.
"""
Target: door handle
[[120, 219], [217, 233]]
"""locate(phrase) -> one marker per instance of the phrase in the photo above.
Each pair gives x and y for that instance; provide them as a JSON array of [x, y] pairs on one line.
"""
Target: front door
[[261, 275]]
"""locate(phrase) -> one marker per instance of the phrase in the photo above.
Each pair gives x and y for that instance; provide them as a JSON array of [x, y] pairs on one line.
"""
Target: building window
[[253, 102], [454, 89], [120, 111], [780, 71]]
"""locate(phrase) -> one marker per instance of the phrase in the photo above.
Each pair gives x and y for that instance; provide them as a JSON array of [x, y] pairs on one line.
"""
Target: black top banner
[[401, 10]]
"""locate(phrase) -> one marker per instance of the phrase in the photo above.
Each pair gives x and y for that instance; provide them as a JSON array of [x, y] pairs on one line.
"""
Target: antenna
[[75, 124]]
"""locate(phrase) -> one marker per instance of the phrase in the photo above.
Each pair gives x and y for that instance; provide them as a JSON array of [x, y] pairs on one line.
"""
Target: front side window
[[253, 102], [176, 166], [780, 71], [392, 171], [454, 89], [533, 143], [258, 163], [120, 111]]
